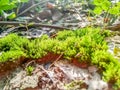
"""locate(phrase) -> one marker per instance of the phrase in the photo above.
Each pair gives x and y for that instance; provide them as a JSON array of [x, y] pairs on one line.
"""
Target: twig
[[31, 24], [56, 60], [47, 72], [4, 33], [115, 27], [33, 61], [33, 6]]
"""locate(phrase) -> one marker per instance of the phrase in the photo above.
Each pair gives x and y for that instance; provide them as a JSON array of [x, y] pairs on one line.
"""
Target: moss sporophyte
[[88, 44]]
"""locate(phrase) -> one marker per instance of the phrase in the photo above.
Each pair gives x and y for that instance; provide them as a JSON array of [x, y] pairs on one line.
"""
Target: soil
[[56, 74]]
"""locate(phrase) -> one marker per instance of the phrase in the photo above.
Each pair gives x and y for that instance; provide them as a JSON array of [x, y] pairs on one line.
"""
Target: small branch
[[47, 72], [31, 24], [56, 60], [33, 6], [28, 64], [115, 27]]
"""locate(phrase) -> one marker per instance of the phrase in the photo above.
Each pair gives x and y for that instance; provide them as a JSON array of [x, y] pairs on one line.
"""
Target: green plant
[[76, 84], [112, 74], [63, 35], [34, 50], [29, 70], [11, 55], [110, 11], [13, 42], [110, 66], [84, 41], [12, 47], [9, 5]]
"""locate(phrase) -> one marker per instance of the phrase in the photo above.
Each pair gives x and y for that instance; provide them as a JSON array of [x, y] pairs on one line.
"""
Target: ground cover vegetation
[[7, 8], [86, 44]]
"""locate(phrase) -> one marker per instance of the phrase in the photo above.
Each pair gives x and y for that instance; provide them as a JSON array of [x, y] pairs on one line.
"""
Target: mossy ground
[[87, 44]]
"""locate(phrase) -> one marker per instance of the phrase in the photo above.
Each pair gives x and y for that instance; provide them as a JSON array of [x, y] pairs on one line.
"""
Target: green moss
[[76, 84], [34, 50], [12, 42], [102, 58], [84, 41], [12, 47], [63, 35], [29, 70], [86, 44], [112, 73], [11, 55]]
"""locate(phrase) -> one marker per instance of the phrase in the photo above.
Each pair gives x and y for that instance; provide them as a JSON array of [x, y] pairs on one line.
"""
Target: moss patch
[[86, 44]]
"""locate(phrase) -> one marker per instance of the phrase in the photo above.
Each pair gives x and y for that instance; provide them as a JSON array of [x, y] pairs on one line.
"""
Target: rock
[[92, 69], [97, 85], [22, 81]]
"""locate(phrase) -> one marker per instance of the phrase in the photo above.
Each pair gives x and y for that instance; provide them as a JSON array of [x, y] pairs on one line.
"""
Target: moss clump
[[11, 55], [12, 42], [86, 44], [84, 41], [12, 47]]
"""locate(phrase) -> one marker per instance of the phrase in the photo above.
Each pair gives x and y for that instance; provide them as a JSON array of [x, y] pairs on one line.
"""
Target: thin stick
[[33, 6], [31, 24], [47, 73], [115, 27], [33, 61], [56, 60]]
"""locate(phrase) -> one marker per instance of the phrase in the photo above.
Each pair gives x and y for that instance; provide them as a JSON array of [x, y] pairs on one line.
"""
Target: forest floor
[[56, 75]]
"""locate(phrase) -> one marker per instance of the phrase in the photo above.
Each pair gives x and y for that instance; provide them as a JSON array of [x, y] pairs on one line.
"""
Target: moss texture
[[86, 44]]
